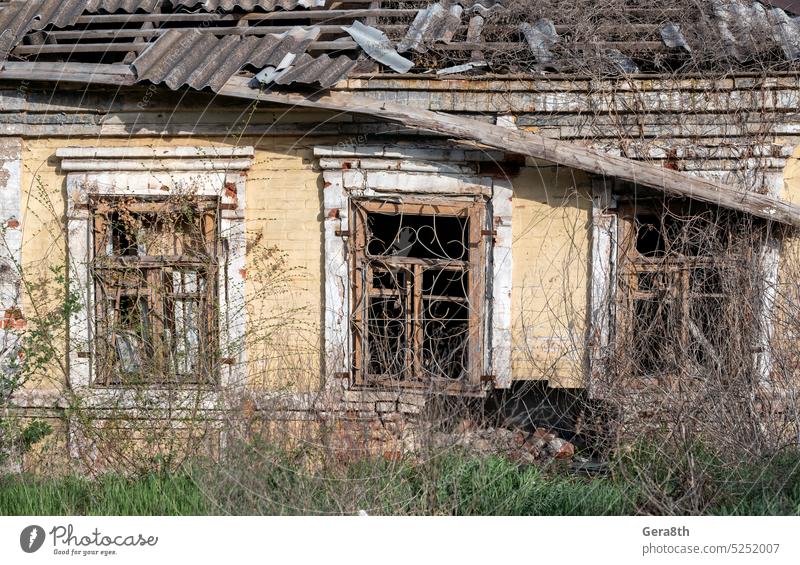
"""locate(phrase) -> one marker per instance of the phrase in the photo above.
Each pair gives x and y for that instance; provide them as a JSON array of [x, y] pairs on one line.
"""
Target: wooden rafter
[[564, 153]]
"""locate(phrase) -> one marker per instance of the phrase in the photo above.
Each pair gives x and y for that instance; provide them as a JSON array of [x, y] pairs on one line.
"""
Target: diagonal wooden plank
[[505, 139], [524, 143]]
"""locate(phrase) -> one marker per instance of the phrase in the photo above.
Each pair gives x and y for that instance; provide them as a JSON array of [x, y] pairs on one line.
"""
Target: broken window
[[677, 277], [418, 293], [155, 272]]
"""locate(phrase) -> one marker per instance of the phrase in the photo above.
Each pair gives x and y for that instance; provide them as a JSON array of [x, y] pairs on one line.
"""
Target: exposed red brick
[[566, 451], [13, 313]]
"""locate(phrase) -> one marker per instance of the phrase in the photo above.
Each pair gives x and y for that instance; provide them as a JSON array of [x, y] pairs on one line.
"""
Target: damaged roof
[[201, 60], [243, 48], [373, 36]]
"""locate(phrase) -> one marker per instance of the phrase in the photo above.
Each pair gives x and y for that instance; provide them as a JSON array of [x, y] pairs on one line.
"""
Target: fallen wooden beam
[[524, 143], [505, 139]]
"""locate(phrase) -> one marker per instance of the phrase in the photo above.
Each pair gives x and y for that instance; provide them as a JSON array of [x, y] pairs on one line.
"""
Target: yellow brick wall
[[791, 178], [784, 316], [285, 257], [283, 220], [551, 230], [43, 243]]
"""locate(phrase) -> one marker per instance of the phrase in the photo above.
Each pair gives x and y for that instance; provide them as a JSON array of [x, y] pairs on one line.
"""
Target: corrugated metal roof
[[18, 17], [14, 24], [267, 5], [749, 30], [36, 14], [199, 59]]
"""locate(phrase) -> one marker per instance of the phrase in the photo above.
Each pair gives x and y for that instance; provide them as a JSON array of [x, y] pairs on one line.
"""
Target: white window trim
[[361, 171], [603, 285], [140, 172], [11, 246]]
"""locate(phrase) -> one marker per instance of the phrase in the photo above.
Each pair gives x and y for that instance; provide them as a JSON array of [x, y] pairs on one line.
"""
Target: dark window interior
[[418, 312], [676, 279], [154, 273]]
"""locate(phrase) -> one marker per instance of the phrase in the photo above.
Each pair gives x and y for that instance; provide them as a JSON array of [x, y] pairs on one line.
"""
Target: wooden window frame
[[206, 210], [679, 269], [153, 173], [474, 212]]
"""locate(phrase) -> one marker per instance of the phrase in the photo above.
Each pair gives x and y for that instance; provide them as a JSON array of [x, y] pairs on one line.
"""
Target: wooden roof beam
[[564, 153]]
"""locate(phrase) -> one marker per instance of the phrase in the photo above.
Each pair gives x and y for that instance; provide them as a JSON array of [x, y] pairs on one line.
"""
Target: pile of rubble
[[519, 445]]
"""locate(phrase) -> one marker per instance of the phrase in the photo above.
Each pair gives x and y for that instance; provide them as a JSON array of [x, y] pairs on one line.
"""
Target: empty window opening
[[677, 280]]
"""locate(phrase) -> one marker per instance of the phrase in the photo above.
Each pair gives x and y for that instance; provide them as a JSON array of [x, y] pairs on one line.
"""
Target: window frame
[[427, 171], [206, 212], [475, 267], [218, 173], [676, 272]]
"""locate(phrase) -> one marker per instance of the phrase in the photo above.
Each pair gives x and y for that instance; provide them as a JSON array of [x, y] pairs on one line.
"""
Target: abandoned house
[[353, 207]]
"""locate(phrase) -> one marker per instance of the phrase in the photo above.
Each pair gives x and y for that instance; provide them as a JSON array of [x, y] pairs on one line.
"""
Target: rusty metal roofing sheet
[[199, 59], [267, 5], [431, 24]]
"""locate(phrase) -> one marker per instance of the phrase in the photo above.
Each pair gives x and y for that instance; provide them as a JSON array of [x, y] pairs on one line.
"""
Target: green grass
[[454, 484], [160, 494]]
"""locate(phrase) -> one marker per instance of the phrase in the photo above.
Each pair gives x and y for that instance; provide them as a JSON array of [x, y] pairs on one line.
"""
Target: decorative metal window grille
[[419, 288]]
